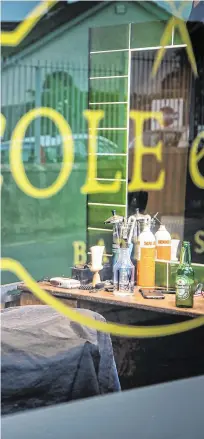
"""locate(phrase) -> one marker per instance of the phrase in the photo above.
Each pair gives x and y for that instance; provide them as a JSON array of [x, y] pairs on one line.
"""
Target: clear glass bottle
[[185, 278], [123, 272]]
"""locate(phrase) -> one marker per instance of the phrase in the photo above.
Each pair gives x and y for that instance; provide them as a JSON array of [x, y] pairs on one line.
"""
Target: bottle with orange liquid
[[146, 258], [163, 244]]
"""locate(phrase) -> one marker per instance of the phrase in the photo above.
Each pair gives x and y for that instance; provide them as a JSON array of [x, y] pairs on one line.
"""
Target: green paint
[[112, 198], [39, 233], [98, 214]]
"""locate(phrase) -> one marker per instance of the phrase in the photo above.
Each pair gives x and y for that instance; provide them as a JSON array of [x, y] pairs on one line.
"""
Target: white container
[[163, 244], [174, 249], [96, 257], [146, 258], [65, 282]]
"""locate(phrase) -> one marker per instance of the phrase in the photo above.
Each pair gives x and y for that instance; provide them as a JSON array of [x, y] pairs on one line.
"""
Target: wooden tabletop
[[166, 305]]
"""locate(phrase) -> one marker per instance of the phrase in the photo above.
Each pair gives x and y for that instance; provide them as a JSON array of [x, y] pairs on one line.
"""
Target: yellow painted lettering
[[79, 252], [199, 239], [17, 167], [92, 186], [137, 183], [194, 158]]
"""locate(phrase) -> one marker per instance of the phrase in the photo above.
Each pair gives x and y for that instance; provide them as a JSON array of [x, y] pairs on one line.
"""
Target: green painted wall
[[39, 233]]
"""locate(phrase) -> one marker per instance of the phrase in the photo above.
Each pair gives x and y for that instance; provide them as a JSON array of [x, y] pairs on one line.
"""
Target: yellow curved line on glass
[[15, 153], [2, 129], [112, 328], [176, 11], [15, 37], [2, 125], [181, 25]]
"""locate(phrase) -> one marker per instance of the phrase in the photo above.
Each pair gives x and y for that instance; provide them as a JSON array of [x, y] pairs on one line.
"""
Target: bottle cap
[[162, 227], [146, 224]]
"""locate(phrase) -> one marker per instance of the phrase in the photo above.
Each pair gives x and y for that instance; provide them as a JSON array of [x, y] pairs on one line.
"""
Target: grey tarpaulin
[[47, 359]]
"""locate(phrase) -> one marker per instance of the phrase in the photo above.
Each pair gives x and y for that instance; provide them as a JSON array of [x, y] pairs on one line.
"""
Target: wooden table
[[166, 305], [140, 361]]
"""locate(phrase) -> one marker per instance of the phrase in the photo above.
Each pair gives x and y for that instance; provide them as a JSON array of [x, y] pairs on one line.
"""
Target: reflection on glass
[[170, 93]]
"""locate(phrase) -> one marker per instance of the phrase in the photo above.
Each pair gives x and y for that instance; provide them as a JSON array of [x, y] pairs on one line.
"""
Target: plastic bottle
[[146, 258], [163, 244], [123, 272]]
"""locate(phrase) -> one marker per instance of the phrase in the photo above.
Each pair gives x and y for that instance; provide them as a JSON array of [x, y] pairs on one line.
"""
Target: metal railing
[[61, 86]]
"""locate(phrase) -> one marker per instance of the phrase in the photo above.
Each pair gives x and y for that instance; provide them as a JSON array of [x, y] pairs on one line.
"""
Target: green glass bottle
[[185, 278]]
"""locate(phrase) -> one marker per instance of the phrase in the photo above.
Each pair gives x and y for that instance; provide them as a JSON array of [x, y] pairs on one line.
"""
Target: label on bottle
[[125, 283], [146, 267], [184, 287], [163, 252], [164, 242]]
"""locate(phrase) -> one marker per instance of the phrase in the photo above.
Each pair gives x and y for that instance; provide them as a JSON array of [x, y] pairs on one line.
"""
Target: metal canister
[[117, 221]]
